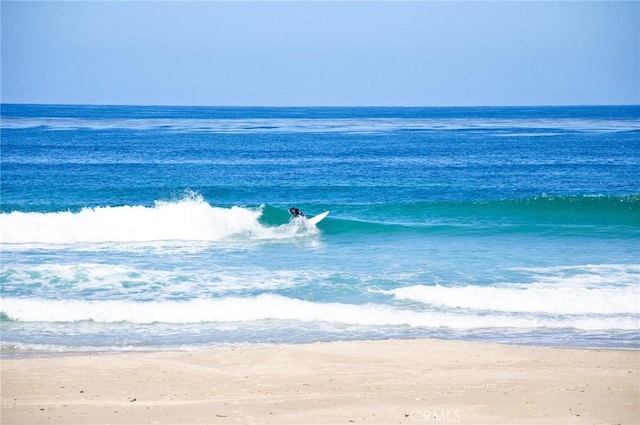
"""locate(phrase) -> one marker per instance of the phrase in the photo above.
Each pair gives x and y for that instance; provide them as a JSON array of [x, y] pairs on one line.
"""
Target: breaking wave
[[189, 219]]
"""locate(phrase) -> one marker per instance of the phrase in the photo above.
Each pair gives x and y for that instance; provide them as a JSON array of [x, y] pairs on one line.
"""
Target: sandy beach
[[384, 382]]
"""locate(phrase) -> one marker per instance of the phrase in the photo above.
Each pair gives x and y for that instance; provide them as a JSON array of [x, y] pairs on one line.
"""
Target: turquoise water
[[127, 228]]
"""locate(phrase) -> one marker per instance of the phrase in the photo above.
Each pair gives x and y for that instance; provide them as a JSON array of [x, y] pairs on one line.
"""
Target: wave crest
[[537, 298], [189, 219], [277, 307]]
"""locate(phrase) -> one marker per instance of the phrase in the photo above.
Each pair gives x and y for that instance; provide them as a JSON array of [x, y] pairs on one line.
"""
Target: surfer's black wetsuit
[[296, 212]]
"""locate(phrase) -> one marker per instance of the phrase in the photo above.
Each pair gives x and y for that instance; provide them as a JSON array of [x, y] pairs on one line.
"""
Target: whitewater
[[136, 228]]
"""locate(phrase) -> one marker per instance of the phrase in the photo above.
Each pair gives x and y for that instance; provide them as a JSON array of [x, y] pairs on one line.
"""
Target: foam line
[[536, 298], [276, 307]]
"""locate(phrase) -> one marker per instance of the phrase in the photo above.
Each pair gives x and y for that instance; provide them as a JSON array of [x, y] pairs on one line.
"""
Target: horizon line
[[142, 105]]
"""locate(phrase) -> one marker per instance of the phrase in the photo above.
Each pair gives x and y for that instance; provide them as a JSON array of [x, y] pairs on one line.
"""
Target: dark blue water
[[137, 227]]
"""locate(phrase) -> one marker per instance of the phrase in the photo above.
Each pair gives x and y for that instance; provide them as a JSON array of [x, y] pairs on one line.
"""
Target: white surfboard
[[318, 218]]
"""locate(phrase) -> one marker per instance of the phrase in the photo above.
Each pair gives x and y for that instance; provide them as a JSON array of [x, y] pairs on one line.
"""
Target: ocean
[[129, 228]]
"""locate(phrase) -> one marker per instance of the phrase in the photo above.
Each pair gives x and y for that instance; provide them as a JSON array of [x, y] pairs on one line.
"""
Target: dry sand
[[384, 382]]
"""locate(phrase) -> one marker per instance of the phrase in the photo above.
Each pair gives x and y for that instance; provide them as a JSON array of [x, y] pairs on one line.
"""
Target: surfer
[[296, 212]]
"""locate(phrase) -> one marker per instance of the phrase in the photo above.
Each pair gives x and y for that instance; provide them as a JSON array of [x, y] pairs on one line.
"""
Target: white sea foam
[[276, 307], [191, 219], [534, 298], [123, 281]]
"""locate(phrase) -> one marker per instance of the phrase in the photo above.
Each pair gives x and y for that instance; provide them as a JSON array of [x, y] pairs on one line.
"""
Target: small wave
[[536, 298], [276, 307]]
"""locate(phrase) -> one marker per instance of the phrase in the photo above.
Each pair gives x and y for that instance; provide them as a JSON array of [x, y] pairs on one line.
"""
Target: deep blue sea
[[138, 228]]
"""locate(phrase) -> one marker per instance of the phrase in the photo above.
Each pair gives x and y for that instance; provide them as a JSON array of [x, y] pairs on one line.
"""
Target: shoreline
[[380, 381], [99, 351]]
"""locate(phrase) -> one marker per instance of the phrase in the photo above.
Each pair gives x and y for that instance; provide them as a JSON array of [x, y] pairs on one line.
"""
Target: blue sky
[[328, 53]]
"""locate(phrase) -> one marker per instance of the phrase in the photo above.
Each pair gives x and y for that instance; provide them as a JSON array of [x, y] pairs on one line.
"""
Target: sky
[[323, 53]]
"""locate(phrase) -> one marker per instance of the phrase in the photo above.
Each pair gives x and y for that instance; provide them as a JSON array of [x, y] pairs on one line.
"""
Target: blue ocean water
[[135, 228]]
